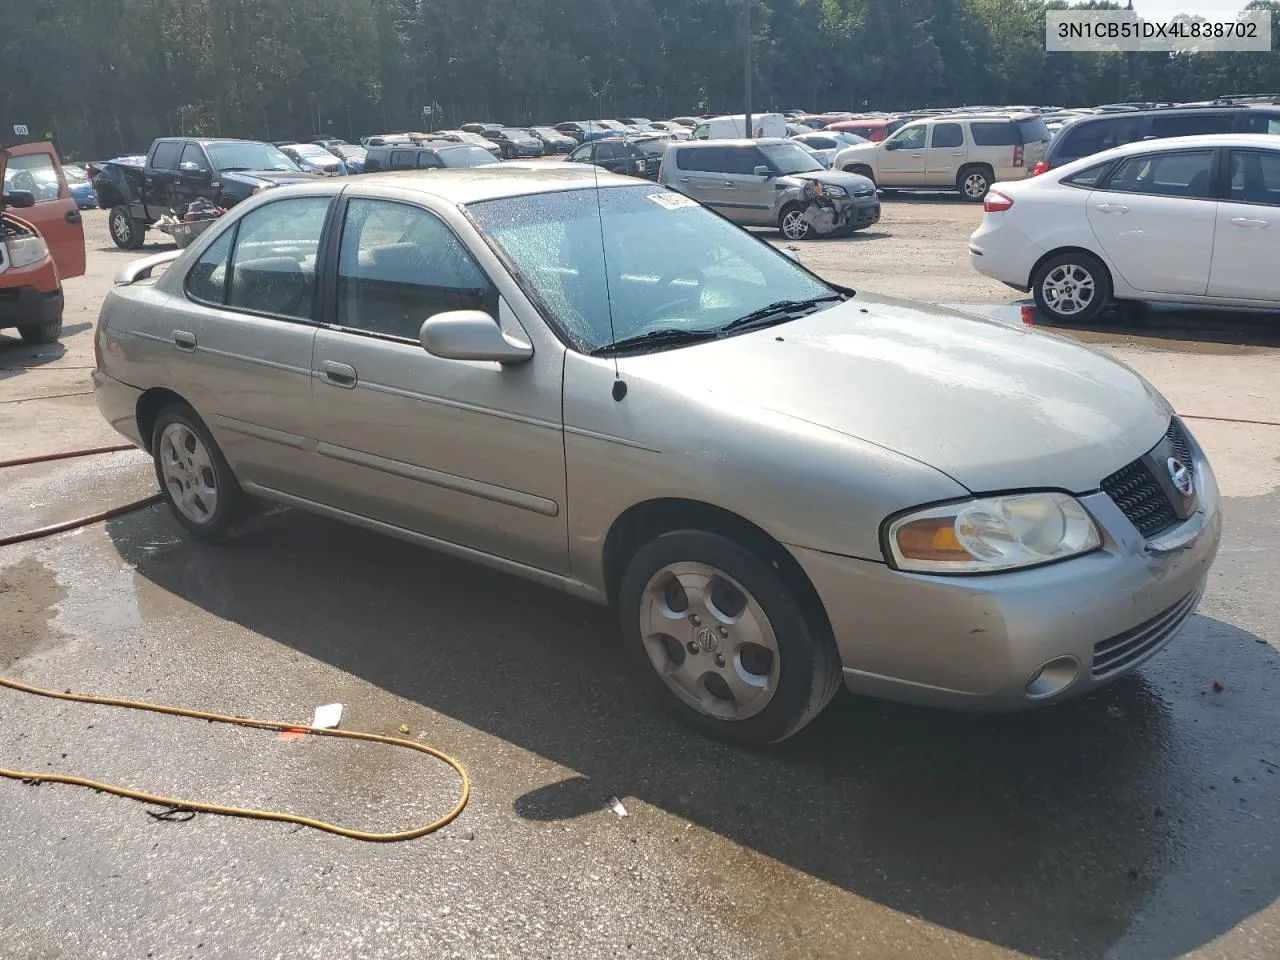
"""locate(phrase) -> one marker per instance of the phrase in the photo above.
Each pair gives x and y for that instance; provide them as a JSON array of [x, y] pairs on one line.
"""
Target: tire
[[1061, 281], [126, 232], [792, 224], [194, 477], [779, 684], [973, 183], [37, 333]]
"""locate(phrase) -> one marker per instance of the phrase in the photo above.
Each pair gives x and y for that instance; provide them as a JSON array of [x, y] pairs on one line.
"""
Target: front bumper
[[844, 214], [976, 643], [118, 404], [24, 305]]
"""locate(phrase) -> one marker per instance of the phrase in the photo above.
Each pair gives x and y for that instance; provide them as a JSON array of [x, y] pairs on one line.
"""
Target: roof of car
[[733, 142], [1203, 140], [473, 184]]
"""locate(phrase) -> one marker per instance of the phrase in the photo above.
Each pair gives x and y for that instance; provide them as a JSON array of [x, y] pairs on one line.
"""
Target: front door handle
[[339, 374], [184, 340], [1113, 208], [1248, 222], [73, 216], [730, 186]]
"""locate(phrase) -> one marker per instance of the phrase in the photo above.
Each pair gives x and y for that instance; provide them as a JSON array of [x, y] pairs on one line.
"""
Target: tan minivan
[[963, 152]]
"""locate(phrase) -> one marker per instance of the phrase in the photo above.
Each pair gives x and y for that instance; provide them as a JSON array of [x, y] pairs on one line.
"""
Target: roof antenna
[[619, 385]]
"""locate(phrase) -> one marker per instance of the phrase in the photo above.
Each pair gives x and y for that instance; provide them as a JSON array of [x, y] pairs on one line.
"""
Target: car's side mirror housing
[[19, 199], [471, 335], [762, 171], [891, 144]]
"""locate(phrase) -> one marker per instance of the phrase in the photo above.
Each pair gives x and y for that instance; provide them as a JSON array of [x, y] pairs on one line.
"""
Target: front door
[[193, 179], [1246, 246], [945, 155], [471, 453], [1155, 220], [35, 167], [746, 195], [250, 317], [902, 158]]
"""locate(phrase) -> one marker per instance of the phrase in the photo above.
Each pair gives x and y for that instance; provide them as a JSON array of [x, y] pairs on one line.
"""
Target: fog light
[[1052, 678]]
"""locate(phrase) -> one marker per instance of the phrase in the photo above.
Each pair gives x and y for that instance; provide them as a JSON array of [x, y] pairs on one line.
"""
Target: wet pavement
[[1139, 824]]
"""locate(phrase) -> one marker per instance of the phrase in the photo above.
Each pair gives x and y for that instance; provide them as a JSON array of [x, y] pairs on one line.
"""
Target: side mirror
[[471, 335], [891, 144], [19, 199], [763, 171], [189, 166]]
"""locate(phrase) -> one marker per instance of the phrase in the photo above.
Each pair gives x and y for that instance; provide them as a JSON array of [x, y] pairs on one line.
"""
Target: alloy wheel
[[189, 476], [1068, 289]]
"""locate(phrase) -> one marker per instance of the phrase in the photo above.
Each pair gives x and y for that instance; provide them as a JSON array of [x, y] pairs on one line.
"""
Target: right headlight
[[24, 251], [991, 534]]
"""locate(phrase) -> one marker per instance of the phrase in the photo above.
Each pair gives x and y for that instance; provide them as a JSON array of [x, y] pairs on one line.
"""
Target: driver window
[[910, 138], [399, 265], [192, 153]]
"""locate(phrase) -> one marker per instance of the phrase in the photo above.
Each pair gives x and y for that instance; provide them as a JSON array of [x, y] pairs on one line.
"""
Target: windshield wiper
[[668, 337], [779, 311], [233, 169]]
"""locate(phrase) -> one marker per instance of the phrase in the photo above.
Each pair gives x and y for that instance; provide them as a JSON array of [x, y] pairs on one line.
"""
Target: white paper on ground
[[328, 716]]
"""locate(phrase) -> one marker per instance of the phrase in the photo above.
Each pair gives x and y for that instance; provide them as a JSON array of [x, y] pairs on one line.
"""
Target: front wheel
[[126, 232], [37, 333], [793, 224], [722, 641], [1072, 287], [194, 476]]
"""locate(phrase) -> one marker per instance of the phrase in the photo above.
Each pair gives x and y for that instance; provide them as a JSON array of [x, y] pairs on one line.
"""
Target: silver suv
[[771, 182], [963, 152]]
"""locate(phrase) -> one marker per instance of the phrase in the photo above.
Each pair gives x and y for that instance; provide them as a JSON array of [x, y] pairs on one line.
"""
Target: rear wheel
[[194, 476], [973, 183], [126, 232], [793, 224], [47, 332], [1072, 287], [722, 641]]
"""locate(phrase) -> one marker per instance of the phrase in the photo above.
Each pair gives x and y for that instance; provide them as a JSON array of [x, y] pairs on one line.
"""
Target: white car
[[1187, 220]]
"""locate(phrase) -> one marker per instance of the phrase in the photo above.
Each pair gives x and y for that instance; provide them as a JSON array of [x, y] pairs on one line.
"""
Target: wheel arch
[[644, 522], [1070, 248], [148, 410]]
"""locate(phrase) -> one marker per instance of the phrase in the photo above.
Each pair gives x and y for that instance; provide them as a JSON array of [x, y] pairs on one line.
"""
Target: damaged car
[[771, 182]]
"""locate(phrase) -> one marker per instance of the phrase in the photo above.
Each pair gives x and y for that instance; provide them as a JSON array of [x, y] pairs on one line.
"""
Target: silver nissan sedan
[[600, 385]]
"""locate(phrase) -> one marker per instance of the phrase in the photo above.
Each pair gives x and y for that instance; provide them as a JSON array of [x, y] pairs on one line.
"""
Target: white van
[[734, 127]]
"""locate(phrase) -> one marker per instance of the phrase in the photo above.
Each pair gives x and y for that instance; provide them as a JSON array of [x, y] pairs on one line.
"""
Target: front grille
[[867, 192], [1177, 437], [1124, 650], [1136, 492]]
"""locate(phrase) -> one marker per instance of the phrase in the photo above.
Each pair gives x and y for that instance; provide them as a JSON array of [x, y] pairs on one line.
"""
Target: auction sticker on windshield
[[672, 201]]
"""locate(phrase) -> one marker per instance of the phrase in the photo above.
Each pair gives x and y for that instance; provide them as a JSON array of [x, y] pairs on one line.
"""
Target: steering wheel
[[664, 286]]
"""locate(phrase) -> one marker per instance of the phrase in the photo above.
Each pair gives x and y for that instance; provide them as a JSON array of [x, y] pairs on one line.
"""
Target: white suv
[[964, 152]]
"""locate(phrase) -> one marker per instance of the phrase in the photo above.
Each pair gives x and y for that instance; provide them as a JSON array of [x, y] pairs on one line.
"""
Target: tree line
[[106, 76]]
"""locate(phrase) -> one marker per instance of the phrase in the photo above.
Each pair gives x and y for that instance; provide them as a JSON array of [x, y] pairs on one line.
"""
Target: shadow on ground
[[1044, 832]]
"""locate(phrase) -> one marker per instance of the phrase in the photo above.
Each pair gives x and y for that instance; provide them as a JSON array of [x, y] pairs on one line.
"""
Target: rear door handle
[[1113, 208], [339, 374], [730, 186], [184, 340], [1248, 222]]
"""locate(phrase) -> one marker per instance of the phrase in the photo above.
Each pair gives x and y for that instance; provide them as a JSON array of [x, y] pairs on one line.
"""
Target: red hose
[[66, 525]]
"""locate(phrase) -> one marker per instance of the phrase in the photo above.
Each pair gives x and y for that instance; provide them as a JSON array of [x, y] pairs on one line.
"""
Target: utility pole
[[746, 66]]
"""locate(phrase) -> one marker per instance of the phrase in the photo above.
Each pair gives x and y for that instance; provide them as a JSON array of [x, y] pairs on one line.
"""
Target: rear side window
[[819, 143], [166, 155], [403, 159], [207, 280], [273, 267], [1190, 124], [1088, 137], [1255, 121], [1255, 177], [947, 135], [994, 133], [428, 160], [744, 160], [707, 159], [1181, 174]]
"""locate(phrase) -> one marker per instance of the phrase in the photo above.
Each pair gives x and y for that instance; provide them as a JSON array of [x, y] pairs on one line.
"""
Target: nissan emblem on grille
[[1180, 474]]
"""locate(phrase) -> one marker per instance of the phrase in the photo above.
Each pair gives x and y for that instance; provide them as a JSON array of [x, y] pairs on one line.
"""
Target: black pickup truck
[[178, 170]]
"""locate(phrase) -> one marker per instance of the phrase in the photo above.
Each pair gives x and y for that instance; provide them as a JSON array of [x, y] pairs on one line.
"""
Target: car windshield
[[547, 132], [516, 133], [790, 158], [849, 138], [311, 150], [246, 155], [665, 263], [464, 156], [351, 153], [651, 146]]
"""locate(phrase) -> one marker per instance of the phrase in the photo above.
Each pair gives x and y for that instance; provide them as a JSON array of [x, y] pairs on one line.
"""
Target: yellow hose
[[178, 804]]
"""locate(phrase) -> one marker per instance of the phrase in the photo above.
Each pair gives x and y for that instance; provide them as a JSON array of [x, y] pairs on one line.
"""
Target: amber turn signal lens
[[933, 538]]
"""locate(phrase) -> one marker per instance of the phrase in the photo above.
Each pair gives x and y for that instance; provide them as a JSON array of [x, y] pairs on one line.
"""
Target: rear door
[[1155, 220], [945, 154], [1246, 247], [35, 167], [700, 172]]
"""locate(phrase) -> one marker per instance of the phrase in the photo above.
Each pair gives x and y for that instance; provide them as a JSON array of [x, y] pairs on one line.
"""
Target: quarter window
[[1190, 124], [400, 265], [1181, 174], [1087, 137], [273, 268], [1089, 177], [948, 135], [995, 133]]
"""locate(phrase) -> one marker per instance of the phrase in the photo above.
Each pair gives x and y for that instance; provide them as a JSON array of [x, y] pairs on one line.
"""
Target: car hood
[[281, 177], [837, 178], [993, 406]]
